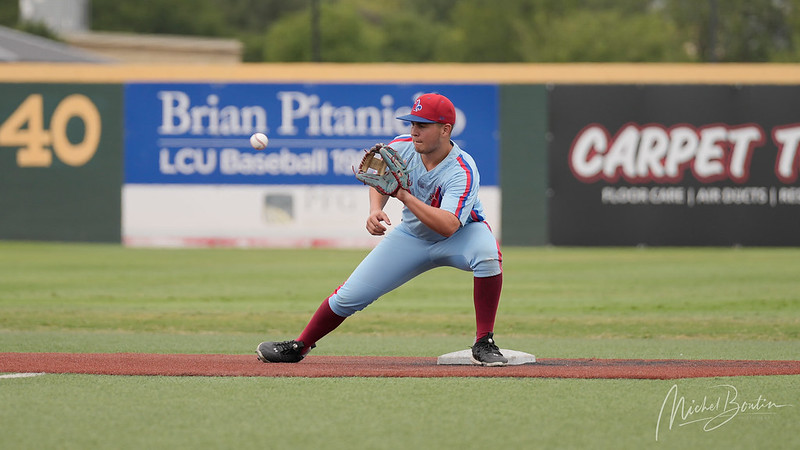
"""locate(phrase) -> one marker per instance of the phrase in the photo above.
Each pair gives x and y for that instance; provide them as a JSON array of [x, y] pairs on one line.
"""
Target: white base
[[464, 357]]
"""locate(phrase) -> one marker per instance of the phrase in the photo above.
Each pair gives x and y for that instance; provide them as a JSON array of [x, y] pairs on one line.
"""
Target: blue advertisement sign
[[200, 133]]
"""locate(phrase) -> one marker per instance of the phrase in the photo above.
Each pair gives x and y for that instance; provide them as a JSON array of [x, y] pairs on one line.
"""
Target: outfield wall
[[60, 162], [578, 154]]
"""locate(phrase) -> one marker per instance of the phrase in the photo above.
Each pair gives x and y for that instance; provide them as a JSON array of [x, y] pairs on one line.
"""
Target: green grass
[[633, 293], [78, 411], [693, 303]]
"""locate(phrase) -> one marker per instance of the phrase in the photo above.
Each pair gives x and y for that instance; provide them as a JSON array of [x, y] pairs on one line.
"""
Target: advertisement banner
[[193, 179], [199, 133], [674, 165]]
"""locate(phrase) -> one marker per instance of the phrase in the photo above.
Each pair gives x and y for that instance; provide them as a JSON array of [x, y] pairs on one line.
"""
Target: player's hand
[[375, 223]]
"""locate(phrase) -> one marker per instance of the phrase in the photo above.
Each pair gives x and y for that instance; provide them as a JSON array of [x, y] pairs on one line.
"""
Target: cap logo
[[418, 105]]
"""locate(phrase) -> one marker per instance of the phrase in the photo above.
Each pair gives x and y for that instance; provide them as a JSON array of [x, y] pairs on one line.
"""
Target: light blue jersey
[[412, 247], [452, 186]]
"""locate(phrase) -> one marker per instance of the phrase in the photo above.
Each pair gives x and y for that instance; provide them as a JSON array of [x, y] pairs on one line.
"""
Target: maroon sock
[[322, 322], [486, 296]]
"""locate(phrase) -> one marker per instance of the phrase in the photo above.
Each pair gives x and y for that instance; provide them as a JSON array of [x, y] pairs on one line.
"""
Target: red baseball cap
[[431, 108]]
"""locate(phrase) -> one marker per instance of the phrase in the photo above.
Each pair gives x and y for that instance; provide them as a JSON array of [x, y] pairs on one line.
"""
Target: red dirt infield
[[379, 366]]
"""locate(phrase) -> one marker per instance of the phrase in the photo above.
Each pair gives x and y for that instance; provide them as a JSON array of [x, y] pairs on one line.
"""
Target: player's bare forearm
[[376, 216], [377, 200], [439, 220]]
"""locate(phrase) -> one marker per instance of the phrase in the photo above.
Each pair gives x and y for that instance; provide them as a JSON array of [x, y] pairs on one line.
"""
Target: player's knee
[[341, 309], [488, 267], [344, 304]]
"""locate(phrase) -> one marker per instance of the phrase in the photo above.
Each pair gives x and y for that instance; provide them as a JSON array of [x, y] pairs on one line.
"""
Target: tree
[[605, 36], [482, 32], [345, 36], [9, 12], [472, 30], [735, 30]]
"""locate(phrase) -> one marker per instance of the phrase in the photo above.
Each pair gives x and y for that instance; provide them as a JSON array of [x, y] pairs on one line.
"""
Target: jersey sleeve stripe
[[400, 139], [462, 200]]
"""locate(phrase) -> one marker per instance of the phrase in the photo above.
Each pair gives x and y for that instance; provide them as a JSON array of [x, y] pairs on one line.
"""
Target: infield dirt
[[376, 366]]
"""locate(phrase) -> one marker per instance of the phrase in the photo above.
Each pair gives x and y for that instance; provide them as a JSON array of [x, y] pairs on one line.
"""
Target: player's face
[[428, 137]]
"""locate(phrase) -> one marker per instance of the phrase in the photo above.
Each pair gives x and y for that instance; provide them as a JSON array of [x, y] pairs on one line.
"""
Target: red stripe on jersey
[[403, 139], [475, 216], [499, 253], [463, 198]]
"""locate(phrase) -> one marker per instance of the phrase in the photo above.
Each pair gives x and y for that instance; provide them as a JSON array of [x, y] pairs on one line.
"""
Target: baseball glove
[[384, 169]]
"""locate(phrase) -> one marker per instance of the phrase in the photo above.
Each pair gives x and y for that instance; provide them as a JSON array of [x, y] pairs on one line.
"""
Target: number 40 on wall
[[25, 129]]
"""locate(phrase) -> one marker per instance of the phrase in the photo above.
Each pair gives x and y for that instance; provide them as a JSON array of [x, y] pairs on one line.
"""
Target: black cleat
[[281, 352], [486, 353]]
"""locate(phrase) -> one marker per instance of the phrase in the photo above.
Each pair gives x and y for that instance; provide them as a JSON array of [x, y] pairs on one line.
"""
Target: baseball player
[[442, 225]]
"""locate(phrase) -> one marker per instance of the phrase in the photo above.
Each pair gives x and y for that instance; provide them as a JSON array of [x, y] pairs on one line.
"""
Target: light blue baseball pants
[[401, 256]]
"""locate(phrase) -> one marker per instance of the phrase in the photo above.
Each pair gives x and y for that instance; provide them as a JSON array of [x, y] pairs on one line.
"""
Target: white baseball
[[259, 141]]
